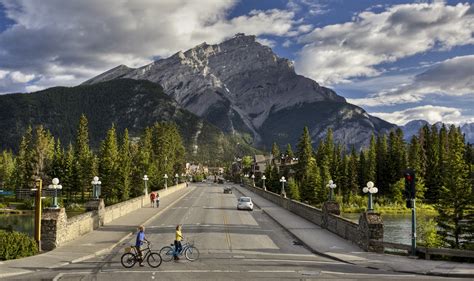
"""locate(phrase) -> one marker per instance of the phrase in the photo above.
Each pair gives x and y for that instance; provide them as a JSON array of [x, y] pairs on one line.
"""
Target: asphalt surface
[[233, 245]]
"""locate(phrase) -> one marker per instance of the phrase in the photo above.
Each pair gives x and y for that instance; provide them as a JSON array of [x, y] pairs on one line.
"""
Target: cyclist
[[177, 242], [139, 243]]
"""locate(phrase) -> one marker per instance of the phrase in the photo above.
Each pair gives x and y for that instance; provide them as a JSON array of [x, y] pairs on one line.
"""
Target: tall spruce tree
[[371, 161], [456, 197], [352, 173], [275, 150], [84, 163], [289, 151], [432, 178], [383, 172], [24, 173], [304, 153], [109, 170], [293, 189], [125, 166], [7, 168]]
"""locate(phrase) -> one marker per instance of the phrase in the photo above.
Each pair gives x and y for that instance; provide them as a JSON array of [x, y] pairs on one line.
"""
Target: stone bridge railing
[[367, 234], [57, 229]]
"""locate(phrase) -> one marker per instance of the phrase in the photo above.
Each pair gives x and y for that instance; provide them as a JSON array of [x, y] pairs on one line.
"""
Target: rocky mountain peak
[[239, 84]]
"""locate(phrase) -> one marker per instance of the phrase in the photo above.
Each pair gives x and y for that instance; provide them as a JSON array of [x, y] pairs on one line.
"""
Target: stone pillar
[[330, 207], [371, 232], [98, 206], [53, 228]]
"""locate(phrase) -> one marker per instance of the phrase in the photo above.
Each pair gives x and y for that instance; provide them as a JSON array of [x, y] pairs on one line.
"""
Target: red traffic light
[[408, 177]]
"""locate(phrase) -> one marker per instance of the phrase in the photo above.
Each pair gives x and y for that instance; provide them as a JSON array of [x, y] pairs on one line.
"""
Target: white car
[[245, 203]]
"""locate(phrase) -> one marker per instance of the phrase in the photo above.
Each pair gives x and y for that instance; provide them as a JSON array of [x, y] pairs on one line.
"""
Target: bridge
[[269, 242]]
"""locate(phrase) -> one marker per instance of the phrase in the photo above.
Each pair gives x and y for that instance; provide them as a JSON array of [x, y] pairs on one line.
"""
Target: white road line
[[298, 261], [370, 274], [197, 271]]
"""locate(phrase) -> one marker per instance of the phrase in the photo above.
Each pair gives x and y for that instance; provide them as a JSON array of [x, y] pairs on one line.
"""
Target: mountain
[[243, 88], [413, 127], [132, 104]]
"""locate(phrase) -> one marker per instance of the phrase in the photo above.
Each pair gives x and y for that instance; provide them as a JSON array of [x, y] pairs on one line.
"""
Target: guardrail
[[428, 252]]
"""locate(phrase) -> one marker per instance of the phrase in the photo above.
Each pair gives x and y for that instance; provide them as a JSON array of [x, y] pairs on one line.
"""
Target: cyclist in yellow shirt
[[177, 242]]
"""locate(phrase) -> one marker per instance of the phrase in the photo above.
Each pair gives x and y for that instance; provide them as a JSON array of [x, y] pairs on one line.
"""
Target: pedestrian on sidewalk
[[157, 200], [141, 239], [177, 242], [152, 199]]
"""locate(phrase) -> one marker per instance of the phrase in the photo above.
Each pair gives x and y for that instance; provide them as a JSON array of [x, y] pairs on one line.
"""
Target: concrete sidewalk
[[326, 243], [94, 243]]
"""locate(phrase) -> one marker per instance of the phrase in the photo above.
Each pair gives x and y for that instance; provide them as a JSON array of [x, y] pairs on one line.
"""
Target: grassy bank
[[391, 208]]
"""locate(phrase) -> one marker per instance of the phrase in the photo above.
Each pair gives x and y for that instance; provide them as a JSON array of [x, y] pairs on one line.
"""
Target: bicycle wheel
[[191, 253], [166, 253], [154, 260], [128, 260]]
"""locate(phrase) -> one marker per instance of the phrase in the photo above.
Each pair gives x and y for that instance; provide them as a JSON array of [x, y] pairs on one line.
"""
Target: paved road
[[233, 245]]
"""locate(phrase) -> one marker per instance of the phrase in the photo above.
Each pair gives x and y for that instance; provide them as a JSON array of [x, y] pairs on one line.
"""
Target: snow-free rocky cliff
[[242, 87]]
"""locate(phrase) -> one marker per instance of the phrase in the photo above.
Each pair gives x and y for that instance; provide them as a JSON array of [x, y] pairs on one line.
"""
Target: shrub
[[14, 245]]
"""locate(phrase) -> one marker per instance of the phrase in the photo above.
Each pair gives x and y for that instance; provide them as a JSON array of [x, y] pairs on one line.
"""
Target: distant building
[[260, 163]]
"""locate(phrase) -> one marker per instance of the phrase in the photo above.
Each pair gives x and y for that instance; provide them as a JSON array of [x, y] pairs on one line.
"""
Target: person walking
[[157, 200], [141, 239], [177, 242], [152, 199]]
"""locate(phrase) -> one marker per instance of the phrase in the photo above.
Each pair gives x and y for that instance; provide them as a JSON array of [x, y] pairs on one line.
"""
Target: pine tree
[[352, 173], [371, 161], [304, 153], [68, 171], [109, 171], [362, 173], [311, 184], [456, 197], [293, 189], [275, 150], [84, 165], [432, 179], [23, 175], [383, 172], [289, 151], [125, 166]]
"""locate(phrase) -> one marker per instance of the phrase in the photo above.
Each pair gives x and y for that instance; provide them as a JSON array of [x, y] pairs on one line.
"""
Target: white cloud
[[430, 113], [311, 7], [267, 42], [18, 77], [84, 38], [452, 77], [335, 53]]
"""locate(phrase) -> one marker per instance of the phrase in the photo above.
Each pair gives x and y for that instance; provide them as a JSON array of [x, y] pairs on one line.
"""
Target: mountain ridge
[[239, 84]]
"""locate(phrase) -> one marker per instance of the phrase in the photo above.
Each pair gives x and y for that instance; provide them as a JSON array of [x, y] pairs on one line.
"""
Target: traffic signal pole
[[413, 228]]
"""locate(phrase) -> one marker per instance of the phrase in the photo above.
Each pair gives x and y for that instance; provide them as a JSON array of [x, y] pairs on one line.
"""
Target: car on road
[[228, 189], [221, 181], [245, 203]]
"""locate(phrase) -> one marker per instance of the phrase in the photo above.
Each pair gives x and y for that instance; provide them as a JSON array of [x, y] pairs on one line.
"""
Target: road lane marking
[[297, 261], [197, 271], [370, 274]]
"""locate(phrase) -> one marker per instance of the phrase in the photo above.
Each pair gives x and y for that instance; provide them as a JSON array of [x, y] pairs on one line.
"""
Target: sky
[[399, 60]]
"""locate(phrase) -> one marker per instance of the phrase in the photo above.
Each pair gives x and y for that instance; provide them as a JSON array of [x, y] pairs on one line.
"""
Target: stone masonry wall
[[57, 229], [368, 234]]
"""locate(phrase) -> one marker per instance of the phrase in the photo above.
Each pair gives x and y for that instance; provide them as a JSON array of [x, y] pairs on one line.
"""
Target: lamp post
[[247, 176], [145, 179], [55, 185], [96, 187], [176, 176], [166, 181], [370, 188], [331, 186], [263, 179], [253, 180], [283, 193]]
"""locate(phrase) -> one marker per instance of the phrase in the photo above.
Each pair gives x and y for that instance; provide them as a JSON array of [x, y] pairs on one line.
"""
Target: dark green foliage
[[132, 104], [14, 245]]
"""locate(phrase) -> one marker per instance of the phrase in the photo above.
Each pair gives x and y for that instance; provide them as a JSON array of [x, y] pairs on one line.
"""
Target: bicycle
[[131, 257], [190, 252]]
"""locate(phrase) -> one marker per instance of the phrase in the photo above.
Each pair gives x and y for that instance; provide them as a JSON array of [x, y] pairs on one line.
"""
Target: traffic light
[[410, 190]]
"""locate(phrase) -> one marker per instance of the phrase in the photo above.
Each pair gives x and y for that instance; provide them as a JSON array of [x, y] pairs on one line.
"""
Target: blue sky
[[399, 60]]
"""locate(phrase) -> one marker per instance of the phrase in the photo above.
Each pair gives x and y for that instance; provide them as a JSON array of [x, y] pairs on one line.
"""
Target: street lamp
[[283, 193], [331, 186], [55, 185], [370, 188], [166, 181], [176, 176], [96, 187], [263, 179], [145, 179], [253, 180]]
